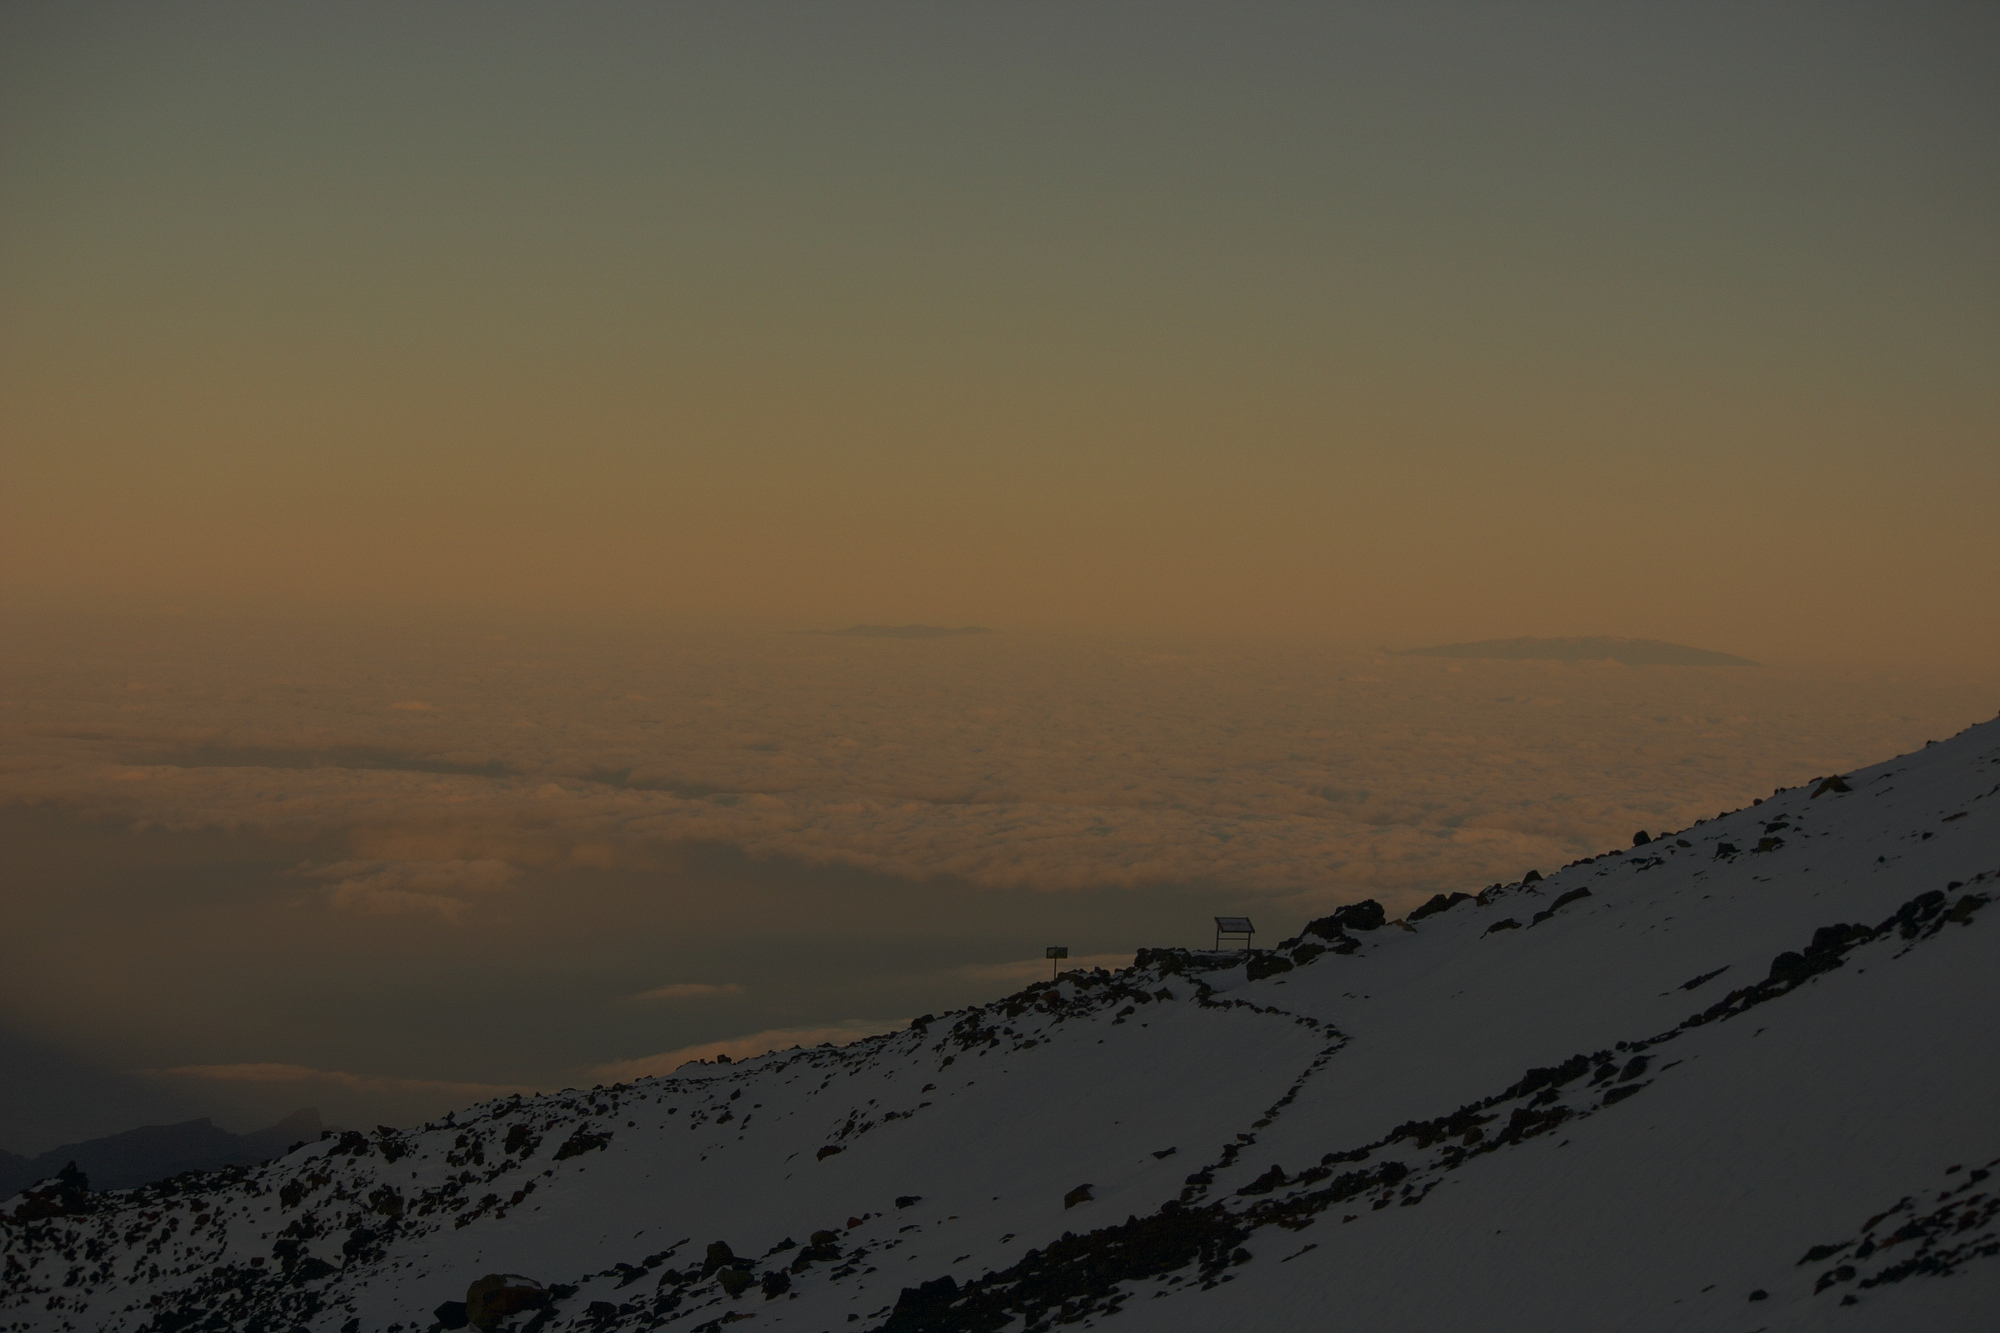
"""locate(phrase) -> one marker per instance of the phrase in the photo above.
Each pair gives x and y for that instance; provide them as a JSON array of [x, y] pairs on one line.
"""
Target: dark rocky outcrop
[[66, 1195], [499, 1296], [582, 1141], [1263, 965], [1439, 903], [1364, 915]]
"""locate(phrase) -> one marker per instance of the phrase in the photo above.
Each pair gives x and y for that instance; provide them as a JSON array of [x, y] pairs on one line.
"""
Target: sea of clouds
[[442, 859], [999, 760]]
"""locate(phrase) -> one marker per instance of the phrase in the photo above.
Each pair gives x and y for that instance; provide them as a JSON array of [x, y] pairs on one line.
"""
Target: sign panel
[[1234, 925], [1056, 951]]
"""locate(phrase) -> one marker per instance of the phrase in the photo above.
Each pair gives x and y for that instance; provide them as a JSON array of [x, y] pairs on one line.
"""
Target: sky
[[425, 431], [1401, 323]]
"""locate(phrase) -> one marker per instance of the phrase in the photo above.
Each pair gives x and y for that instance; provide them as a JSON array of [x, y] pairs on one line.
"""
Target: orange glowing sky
[[1383, 323]]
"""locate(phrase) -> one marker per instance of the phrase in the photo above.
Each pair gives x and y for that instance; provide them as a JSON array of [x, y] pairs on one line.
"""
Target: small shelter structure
[[1233, 926]]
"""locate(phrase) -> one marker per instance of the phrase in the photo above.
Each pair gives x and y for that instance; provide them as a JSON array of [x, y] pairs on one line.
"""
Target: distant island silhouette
[[904, 631], [154, 1152], [1632, 652]]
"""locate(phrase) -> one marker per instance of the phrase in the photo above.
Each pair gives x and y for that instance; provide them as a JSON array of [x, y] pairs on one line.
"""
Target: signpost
[[1055, 952], [1233, 925]]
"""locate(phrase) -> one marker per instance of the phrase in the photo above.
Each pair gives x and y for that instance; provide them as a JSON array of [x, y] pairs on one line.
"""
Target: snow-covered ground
[[1673, 1087]]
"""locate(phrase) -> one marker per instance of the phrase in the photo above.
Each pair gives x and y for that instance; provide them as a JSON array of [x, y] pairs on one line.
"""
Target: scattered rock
[[582, 1141], [1531, 877], [498, 1296], [1835, 784], [1558, 905], [450, 1315], [830, 1149], [1505, 923], [922, 1307], [1265, 1183], [1081, 1194], [1641, 838], [735, 1281], [67, 1195], [1263, 965]]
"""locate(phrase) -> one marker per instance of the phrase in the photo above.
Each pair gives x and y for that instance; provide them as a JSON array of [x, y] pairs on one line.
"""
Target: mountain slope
[[1743, 1077]]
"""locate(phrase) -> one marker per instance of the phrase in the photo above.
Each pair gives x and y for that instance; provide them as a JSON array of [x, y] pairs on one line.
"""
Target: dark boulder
[[922, 1307], [450, 1315], [1641, 838], [1364, 915], [500, 1296], [1266, 965], [582, 1141]]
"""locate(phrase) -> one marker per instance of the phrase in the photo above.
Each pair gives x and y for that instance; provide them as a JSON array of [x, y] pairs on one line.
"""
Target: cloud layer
[[398, 888], [743, 1048], [1004, 763], [307, 1079], [690, 990]]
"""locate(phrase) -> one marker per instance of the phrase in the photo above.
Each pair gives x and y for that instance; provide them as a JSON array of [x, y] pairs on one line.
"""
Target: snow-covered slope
[[1743, 1077]]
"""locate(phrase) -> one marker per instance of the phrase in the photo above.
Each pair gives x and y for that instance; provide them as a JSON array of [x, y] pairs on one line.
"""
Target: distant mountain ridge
[[1598, 648], [155, 1152]]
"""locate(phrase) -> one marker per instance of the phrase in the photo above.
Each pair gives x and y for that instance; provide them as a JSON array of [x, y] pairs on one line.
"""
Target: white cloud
[[399, 888], [743, 1048], [690, 990], [1033, 969], [370, 1083], [1022, 764]]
